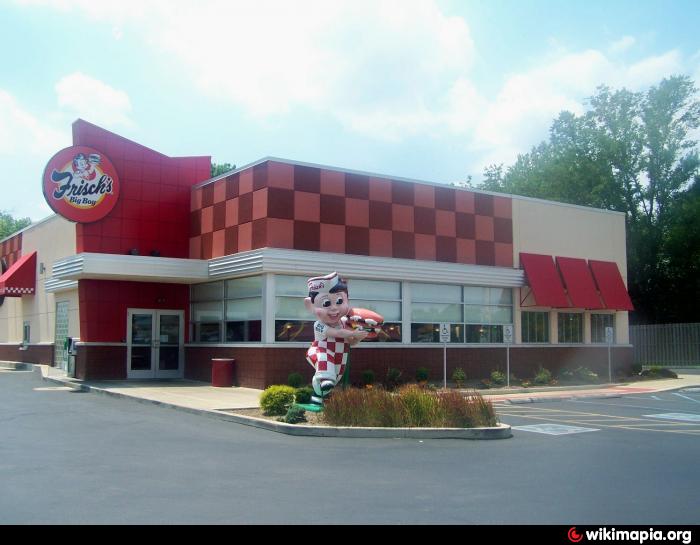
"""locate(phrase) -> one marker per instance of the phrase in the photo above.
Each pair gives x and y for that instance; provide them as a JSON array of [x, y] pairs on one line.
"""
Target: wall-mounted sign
[[81, 184]]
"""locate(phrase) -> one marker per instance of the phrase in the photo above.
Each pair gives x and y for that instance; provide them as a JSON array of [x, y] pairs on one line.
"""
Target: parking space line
[[630, 427], [686, 397]]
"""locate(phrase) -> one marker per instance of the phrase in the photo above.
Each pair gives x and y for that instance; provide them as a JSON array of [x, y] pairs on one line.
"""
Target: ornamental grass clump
[[410, 406]]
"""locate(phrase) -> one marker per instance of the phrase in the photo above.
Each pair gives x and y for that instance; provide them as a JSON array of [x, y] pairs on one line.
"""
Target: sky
[[432, 90]]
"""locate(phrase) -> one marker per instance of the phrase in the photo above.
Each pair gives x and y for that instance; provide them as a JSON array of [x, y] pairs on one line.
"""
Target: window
[[476, 314], [230, 310], [598, 324], [535, 327], [432, 304], [293, 323], [570, 327], [486, 310]]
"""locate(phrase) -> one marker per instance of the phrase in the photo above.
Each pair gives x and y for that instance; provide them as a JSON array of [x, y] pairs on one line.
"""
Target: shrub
[[367, 377], [459, 377], [543, 376], [567, 375], [637, 369], [422, 374], [393, 378], [303, 395], [498, 378], [294, 415], [585, 375], [295, 380], [276, 400], [410, 406], [659, 372]]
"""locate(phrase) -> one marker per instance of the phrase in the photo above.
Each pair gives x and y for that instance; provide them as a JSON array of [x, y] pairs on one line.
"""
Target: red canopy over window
[[612, 288], [543, 278], [20, 278], [579, 283]]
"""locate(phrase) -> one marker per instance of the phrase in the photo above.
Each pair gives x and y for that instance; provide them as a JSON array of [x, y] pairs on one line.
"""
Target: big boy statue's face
[[330, 308]]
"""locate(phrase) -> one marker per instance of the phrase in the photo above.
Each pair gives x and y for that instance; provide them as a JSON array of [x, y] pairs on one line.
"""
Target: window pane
[[294, 331], [488, 315], [291, 308], [207, 312], [484, 333], [208, 292], [436, 312], [430, 333], [207, 333], [476, 295], [374, 289], [245, 331], [501, 296], [291, 285], [244, 309], [244, 287], [436, 292], [390, 311], [570, 327], [390, 333], [598, 324], [535, 327]]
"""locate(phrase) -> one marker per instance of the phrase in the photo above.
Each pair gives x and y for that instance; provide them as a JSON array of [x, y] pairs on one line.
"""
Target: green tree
[[221, 168], [631, 152], [9, 225]]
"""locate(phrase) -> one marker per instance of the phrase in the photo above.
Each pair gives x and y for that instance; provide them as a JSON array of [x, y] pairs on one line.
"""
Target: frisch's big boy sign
[[81, 184]]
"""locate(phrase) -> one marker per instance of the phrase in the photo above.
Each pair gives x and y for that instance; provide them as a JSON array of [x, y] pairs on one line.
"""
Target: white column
[[268, 310]]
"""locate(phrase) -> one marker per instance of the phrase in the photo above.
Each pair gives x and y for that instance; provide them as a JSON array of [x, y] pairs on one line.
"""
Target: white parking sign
[[444, 332]]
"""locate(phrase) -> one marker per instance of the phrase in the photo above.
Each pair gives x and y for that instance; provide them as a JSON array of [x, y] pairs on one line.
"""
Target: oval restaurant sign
[[81, 184]]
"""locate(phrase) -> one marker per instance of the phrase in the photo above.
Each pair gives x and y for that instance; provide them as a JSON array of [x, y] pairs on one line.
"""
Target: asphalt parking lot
[[663, 413]]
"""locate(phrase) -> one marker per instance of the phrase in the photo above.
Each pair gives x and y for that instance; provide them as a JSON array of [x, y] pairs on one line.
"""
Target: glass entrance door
[[155, 344]]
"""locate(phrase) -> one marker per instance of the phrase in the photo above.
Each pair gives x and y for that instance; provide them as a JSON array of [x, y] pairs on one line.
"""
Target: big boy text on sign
[[81, 184]]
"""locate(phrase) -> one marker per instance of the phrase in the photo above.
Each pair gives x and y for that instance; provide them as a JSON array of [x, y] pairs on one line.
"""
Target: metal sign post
[[444, 339], [508, 339], [609, 338]]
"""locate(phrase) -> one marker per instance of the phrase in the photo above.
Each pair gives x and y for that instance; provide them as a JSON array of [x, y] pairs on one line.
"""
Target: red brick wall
[[261, 367], [280, 205], [154, 201]]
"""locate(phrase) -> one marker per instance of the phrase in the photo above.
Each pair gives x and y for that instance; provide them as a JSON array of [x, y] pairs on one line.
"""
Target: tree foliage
[[632, 152], [9, 224], [221, 168]]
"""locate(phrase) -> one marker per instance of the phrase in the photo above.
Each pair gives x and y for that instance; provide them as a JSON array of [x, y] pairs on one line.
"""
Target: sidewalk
[[199, 396]]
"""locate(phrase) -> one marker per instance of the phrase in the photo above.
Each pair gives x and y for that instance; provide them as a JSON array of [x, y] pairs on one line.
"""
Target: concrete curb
[[502, 431]]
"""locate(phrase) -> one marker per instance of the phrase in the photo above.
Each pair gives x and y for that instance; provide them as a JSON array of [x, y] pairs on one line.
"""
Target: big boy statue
[[336, 329]]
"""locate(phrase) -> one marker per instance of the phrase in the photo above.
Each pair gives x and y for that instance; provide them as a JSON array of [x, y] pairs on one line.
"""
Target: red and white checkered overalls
[[328, 356]]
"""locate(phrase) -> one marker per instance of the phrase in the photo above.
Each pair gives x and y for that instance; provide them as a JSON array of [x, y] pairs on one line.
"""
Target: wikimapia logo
[[635, 536]]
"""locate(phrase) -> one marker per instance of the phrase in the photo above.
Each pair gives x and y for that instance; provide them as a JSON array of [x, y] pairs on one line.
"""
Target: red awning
[[543, 278], [612, 288], [579, 283], [20, 278]]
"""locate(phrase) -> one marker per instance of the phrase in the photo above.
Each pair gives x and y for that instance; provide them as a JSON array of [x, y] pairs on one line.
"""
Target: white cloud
[[623, 44], [23, 134], [94, 100]]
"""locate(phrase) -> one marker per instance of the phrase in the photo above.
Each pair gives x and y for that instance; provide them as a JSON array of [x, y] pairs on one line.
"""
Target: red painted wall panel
[[152, 213], [104, 304]]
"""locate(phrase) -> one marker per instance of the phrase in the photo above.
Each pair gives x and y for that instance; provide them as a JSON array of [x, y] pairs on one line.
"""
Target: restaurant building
[[177, 268]]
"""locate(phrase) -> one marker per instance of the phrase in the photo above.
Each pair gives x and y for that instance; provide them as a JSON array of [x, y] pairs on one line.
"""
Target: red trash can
[[222, 372]]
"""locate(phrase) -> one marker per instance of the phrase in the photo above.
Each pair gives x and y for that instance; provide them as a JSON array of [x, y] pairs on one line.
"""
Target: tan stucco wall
[[549, 228], [53, 238]]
